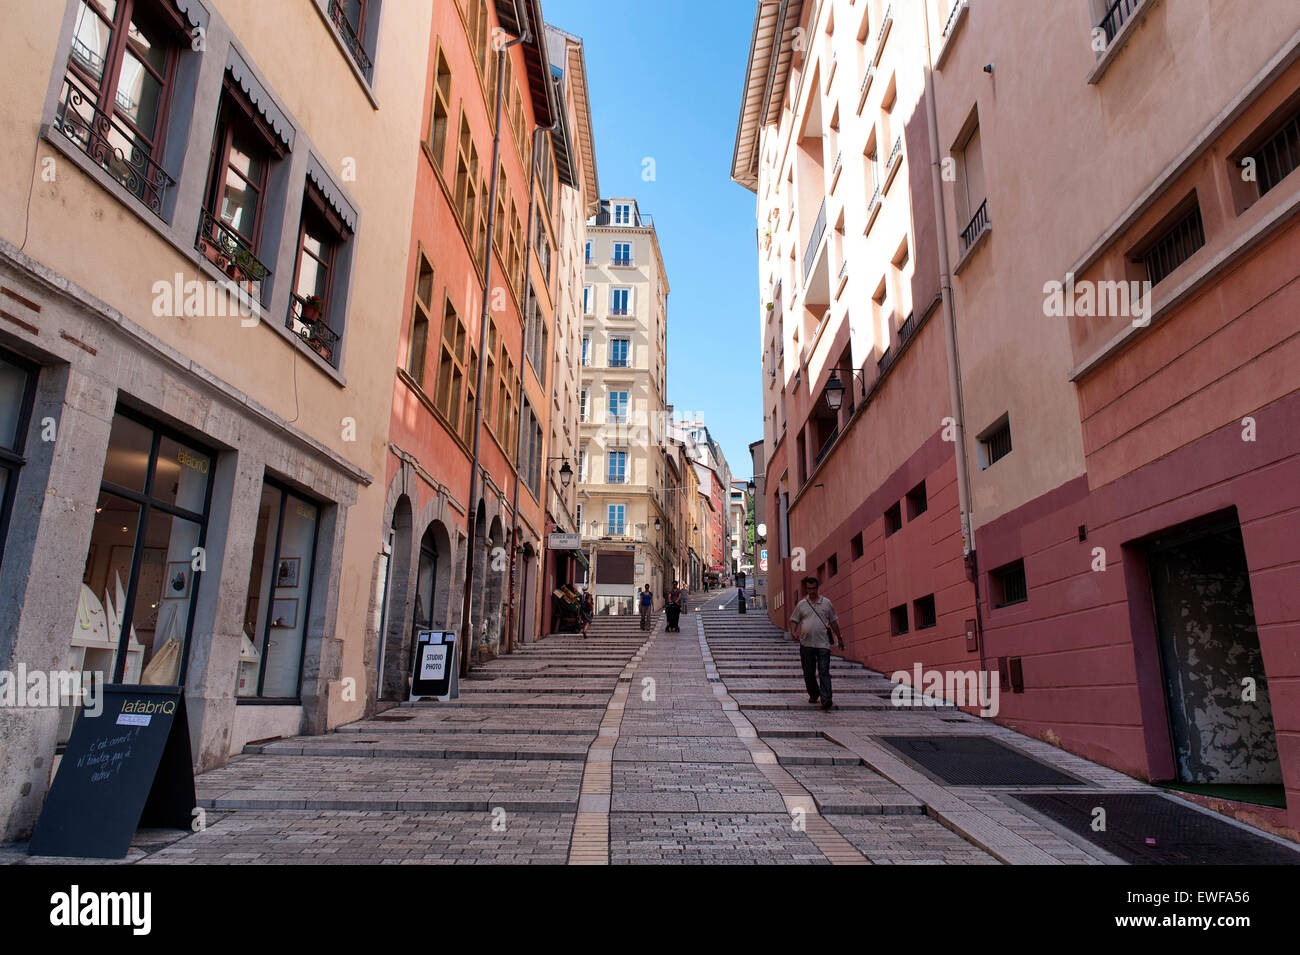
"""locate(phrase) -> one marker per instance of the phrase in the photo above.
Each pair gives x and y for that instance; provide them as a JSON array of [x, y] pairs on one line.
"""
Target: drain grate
[[393, 718], [977, 761], [1155, 830]]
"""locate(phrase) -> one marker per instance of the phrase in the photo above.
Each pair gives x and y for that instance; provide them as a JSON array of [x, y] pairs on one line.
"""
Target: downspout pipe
[[471, 522], [955, 393]]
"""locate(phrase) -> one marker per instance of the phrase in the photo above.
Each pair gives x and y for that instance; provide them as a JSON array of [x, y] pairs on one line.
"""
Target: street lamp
[[834, 392], [566, 474]]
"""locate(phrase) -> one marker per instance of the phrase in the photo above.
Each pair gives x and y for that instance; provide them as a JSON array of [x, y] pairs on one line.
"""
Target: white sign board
[[564, 541], [433, 661]]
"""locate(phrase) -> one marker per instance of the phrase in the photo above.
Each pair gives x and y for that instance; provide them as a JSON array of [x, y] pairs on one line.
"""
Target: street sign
[[434, 664], [564, 541], [128, 766], [762, 560]]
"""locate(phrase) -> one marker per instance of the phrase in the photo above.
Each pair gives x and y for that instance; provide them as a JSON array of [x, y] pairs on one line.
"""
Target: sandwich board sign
[[434, 665], [128, 766]]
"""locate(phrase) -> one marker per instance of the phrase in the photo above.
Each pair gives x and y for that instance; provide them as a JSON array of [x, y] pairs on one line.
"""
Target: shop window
[[279, 596], [17, 392], [319, 283], [118, 88], [143, 566]]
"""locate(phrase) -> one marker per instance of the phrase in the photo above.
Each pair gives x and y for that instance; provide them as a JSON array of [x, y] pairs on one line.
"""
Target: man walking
[[673, 609], [817, 629], [647, 604]]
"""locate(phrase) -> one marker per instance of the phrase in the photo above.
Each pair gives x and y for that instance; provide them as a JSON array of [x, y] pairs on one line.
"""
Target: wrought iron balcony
[[312, 329], [896, 153], [227, 250], [978, 223], [619, 312], [875, 199], [957, 7], [622, 263], [1117, 14], [818, 230], [350, 39], [110, 144]]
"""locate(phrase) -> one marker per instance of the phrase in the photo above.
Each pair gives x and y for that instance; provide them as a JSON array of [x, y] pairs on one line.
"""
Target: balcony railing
[[896, 153], [818, 230], [1117, 14], [350, 39], [224, 248], [622, 263], [108, 143], [844, 271], [839, 159], [619, 312], [311, 328], [616, 361], [978, 223], [957, 7], [882, 34]]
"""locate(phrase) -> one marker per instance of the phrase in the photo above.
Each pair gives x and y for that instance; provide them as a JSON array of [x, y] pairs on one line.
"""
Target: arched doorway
[[497, 564]]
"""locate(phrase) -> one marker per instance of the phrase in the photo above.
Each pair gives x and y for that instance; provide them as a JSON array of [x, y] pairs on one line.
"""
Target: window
[[832, 565], [279, 595], [507, 386], [467, 176], [117, 90], [620, 300], [530, 450], [616, 467], [441, 119], [135, 610], [586, 352], [622, 213], [243, 152], [620, 350], [420, 320], [923, 612], [535, 336], [1174, 245], [898, 620], [587, 298], [471, 397], [451, 367], [916, 502], [583, 402], [314, 313], [1278, 155], [972, 206], [577, 516], [995, 442], [587, 262], [542, 244], [1008, 584], [350, 17], [622, 253], [618, 407], [490, 376], [17, 393], [893, 520], [617, 513], [855, 546]]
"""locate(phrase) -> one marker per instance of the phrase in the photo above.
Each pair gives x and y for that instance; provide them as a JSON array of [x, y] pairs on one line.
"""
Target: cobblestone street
[[691, 747]]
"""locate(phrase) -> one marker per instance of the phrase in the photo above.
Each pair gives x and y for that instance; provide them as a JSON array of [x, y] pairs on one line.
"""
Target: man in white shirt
[[817, 629]]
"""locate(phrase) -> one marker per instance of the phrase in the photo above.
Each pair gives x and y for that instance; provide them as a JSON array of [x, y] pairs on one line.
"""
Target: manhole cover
[[1155, 830], [977, 761]]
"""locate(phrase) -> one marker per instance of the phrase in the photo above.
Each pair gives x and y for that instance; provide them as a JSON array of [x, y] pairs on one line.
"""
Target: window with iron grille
[[1174, 246], [923, 612], [995, 443], [1276, 157], [893, 519], [1009, 585]]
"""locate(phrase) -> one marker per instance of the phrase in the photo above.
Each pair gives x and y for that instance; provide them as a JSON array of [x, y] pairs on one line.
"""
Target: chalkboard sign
[[127, 767], [433, 665]]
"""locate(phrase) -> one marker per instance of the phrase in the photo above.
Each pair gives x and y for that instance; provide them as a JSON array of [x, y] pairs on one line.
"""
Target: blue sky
[[665, 80]]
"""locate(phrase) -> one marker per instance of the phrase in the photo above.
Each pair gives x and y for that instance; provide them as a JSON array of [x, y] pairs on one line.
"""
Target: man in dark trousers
[[817, 629], [647, 601]]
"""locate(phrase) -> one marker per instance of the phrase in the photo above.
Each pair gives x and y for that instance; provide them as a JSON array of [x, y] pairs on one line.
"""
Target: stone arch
[[478, 585], [497, 564], [397, 607]]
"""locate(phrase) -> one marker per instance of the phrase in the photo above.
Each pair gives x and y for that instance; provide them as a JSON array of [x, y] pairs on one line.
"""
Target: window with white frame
[[578, 517], [588, 254], [618, 406], [587, 298], [620, 352], [617, 514], [620, 301], [616, 467], [583, 403], [622, 253], [622, 213]]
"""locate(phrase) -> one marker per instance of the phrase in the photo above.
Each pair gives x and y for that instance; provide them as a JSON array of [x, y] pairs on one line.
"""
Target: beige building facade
[[196, 293], [622, 409]]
